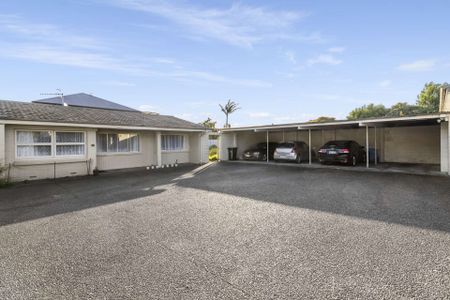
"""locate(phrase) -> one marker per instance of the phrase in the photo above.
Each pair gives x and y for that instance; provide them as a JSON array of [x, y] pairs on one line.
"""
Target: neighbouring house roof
[[39, 112], [85, 100]]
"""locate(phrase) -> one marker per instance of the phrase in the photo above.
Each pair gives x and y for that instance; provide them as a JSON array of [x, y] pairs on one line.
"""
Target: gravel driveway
[[230, 232]]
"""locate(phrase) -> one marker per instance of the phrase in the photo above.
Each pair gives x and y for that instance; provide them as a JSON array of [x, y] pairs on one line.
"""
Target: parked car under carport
[[292, 151], [259, 152], [421, 140], [343, 152]]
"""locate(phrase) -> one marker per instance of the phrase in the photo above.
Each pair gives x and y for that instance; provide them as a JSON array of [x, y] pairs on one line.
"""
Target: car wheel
[[354, 161], [298, 159]]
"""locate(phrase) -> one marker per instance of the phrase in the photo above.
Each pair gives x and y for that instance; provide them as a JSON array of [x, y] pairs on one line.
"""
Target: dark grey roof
[[85, 100], [25, 111]]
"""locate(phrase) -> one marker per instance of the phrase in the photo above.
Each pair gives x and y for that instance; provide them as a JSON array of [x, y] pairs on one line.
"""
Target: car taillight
[[323, 151], [345, 150]]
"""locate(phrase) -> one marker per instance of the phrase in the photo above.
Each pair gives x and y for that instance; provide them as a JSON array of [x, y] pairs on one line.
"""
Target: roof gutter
[[35, 123]]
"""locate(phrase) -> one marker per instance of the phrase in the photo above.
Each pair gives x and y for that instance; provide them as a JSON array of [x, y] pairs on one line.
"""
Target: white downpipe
[[367, 146], [310, 148]]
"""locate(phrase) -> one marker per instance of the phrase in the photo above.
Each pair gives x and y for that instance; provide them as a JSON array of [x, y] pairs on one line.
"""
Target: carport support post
[[448, 145], [375, 145], [158, 149], [309, 144], [367, 146], [267, 145]]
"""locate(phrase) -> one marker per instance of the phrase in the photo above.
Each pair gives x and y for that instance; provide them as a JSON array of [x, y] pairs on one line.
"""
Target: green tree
[[403, 109], [368, 111], [228, 109], [322, 119], [428, 99], [209, 123]]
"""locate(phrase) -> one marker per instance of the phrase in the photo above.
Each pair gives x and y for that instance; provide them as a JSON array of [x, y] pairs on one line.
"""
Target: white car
[[292, 151]]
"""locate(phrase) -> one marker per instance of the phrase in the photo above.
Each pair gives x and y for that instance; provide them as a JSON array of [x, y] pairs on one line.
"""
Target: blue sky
[[282, 61]]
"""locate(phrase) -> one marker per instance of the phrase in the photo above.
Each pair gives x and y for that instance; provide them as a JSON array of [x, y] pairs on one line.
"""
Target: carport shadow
[[410, 200], [22, 202]]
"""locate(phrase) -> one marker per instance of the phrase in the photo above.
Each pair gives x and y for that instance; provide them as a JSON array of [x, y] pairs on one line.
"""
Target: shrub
[[213, 154]]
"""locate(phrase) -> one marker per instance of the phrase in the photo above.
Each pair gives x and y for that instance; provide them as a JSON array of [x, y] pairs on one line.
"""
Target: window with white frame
[[173, 143], [70, 143], [117, 143], [33, 144], [48, 143]]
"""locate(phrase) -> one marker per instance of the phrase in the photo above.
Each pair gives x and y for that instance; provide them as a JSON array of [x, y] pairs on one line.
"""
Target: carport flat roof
[[379, 122]]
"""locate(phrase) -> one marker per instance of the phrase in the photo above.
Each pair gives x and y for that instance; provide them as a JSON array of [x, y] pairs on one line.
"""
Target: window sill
[[119, 154], [174, 151], [48, 160]]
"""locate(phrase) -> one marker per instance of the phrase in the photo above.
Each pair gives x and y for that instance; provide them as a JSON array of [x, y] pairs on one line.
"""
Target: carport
[[406, 142]]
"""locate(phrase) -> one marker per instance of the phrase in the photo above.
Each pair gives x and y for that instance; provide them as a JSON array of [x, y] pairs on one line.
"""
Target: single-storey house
[[77, 134], [414, 140]]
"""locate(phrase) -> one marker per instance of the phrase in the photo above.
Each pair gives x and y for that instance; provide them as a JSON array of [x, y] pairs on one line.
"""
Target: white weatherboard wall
[[43, 168], [197, 151], [145, 157], [225, 141], [445, 147]]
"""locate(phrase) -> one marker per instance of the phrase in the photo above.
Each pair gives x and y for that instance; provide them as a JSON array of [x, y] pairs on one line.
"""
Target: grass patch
[[5, 184]]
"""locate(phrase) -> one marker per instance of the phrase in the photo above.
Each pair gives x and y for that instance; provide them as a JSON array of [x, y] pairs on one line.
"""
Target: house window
[[34, 144], [45, 144], [172, 142], [117, 143], [70, 143]]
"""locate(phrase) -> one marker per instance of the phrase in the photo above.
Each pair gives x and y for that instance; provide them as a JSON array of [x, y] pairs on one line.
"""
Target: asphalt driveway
[[231, 231]]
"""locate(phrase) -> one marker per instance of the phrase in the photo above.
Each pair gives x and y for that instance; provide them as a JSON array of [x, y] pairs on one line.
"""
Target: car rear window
[[337, 144], [285, 145]]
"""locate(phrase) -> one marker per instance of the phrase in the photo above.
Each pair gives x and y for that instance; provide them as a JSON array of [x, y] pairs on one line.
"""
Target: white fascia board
[[301, 126], [259, 129], [269, 128], [118, 127], [307, 126], [399, 119], [369, 122]]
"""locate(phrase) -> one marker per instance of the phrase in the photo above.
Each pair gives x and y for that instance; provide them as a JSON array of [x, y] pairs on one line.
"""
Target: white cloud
[[45, 43], [259, 115], [240, 25], [327, 59], [336, 49], [418, 66], [290, 56], [385, 83], [46, 33]]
